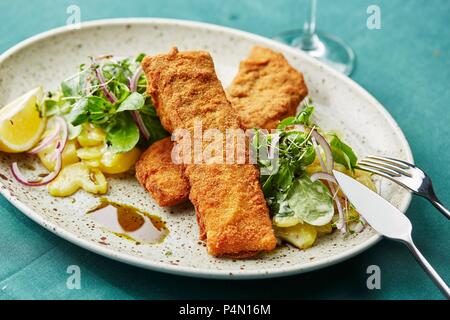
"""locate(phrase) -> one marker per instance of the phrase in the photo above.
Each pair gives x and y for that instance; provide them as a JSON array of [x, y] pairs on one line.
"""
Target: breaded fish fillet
[[231, 210], [254, 113], [185, 88], [158, 174], [266, 89]]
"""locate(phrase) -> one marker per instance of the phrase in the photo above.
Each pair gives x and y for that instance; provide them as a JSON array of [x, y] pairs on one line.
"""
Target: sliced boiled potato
[[107, 161], [114, 163], [91, 136], [286, 221], [365, 178], [92, 163], [76, 176], [301, 235], [326, 229], [96, 184], [91, 153], [69, 155]]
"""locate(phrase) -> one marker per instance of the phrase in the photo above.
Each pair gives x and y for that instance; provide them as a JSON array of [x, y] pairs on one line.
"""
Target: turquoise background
[[405, 65]]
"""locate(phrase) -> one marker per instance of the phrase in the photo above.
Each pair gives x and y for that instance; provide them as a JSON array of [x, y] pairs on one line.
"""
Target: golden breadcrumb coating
[[266, 89], [158, 174]]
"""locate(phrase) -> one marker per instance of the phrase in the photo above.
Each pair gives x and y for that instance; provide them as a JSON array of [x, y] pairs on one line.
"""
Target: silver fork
[[405, 174]]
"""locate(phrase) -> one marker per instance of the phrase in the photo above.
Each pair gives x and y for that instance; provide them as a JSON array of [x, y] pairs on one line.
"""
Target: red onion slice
[[61, 128], [135, 114], [111, 97], [326, 148], [140, 123], [64, 134], [47, 140], [49, 178], [323, 176], [135, 79], [331, 179], [341, 225]]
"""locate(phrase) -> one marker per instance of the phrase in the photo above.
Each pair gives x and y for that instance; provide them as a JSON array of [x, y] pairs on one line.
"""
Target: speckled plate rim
[[190, 271]]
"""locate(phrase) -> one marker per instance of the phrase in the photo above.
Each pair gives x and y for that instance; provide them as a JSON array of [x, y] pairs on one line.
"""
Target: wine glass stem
[[309, 28]]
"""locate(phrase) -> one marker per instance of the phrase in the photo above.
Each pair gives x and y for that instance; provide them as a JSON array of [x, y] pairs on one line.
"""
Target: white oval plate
[[342, 105]]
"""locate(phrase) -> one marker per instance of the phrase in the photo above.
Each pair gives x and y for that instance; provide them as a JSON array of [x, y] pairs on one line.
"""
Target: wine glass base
[[324, 47]]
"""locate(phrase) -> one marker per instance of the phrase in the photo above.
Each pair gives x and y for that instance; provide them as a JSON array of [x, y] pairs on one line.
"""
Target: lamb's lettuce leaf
[[135, 101], [343, 153], [311, 202], [122, 134]]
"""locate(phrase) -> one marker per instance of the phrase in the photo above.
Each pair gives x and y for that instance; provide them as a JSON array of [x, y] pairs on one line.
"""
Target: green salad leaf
[[75, 86], [302, 118], [50, 107], [93, 109], [306, 201], [123, 134], [78, 114], [343, 153], [134, 101], [311, 202], [152, 122], [100, 94], [140, 57]]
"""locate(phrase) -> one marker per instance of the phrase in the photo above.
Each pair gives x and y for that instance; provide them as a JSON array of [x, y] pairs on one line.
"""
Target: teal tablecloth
[[405, 65]]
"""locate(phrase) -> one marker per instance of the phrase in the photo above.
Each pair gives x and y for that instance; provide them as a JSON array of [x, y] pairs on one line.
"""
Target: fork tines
[[384, 166]]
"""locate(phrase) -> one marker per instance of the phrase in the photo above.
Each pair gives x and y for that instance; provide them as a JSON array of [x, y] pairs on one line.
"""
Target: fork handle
[[429, 269], [438, 205]]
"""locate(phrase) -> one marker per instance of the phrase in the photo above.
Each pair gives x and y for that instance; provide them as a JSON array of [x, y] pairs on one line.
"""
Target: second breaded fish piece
[[266, 89], [231, 210], [158, 174], [166, 187]]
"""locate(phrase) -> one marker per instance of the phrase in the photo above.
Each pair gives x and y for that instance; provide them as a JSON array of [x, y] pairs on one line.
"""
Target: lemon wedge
[[20, 123]]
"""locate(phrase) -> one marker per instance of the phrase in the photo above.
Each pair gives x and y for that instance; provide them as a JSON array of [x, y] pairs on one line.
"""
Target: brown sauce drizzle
[[128, 222]]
